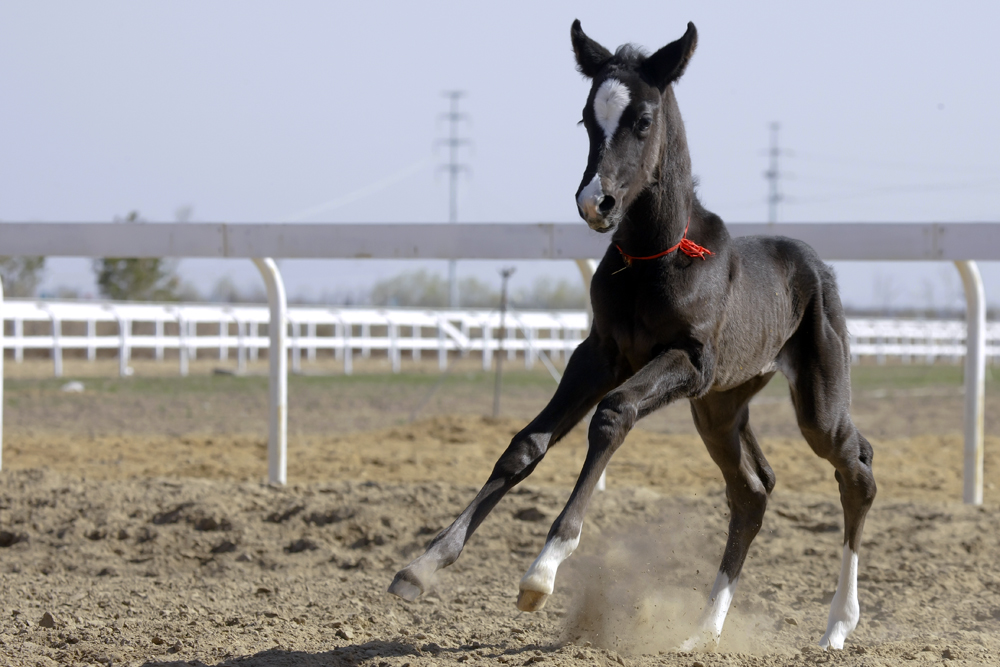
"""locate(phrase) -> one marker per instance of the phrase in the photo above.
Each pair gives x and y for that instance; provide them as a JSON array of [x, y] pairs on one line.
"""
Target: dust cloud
[[643, 590]]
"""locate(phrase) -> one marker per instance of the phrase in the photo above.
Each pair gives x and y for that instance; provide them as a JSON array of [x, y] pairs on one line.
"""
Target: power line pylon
[[454, 168], [772, 175]]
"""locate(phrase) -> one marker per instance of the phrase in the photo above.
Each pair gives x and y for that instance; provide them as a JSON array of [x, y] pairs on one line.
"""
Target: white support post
[[442, 348], [529, 353], [394, 353], [57, 365], [253, 336], [311, 334], [223, 334], [277, 329], [588, 267], [241, 347], [158, 332], [487, 345], [366, 335], [124, 327], [18, 340], [91, 340], [182, 349], [975, 381], [348, 331]]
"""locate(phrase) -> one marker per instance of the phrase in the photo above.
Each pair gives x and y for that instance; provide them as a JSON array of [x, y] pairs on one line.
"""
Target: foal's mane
[[629, 55]]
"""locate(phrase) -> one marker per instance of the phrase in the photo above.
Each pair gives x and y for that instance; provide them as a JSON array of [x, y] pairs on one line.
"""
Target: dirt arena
[[136, 528]]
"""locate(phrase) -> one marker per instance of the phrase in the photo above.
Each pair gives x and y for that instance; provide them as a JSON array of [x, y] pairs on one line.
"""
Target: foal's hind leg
[[588, 377], [817, 363], [722, 419]]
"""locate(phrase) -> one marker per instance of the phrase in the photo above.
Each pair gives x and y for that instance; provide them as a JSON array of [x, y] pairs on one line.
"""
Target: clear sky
[[329, 111]]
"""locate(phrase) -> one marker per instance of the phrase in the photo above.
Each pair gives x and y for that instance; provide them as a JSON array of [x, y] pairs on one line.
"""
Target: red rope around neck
[[686, 245]]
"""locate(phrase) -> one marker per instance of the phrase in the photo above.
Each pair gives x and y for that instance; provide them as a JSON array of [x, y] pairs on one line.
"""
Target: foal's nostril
[[606, 204]]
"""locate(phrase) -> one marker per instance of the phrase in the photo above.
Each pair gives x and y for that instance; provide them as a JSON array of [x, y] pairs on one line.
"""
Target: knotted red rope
[[686, 245]]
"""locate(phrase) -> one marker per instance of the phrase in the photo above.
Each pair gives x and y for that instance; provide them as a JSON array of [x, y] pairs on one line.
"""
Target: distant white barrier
[[345, 333], [912, 340]]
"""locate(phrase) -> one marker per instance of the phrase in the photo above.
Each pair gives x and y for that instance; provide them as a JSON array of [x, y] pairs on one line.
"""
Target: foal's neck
[[658, 216]]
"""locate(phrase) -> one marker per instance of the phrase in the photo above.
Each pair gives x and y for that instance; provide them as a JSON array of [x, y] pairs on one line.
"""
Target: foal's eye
[[643, 124]]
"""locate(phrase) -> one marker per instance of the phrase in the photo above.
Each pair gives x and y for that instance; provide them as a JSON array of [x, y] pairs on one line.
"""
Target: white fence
[[217, 331], [961, 243], [913, 340], [343, 333]]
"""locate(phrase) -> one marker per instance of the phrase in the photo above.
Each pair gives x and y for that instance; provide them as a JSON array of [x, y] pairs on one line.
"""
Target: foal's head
[[630, 115]]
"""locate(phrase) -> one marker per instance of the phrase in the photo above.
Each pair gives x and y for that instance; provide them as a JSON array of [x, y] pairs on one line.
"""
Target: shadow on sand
[[371, 652]]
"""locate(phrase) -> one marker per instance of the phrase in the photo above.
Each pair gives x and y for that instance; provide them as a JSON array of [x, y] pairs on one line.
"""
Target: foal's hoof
[[405, 586], [531, 600]]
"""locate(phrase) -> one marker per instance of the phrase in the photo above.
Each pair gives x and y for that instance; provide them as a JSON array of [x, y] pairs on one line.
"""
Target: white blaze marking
[[845, 610], [715, 615], [609, 103], [541, 576]]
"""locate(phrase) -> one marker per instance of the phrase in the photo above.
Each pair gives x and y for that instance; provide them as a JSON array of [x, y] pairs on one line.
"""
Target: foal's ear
[[666, 65], [590, 55]]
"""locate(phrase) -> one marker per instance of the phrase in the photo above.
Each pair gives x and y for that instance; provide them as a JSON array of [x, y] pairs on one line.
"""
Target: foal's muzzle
[[596, 207]]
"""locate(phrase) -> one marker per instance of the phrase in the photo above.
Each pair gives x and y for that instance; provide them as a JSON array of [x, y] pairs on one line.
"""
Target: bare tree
[[137, 278], [21, 275]]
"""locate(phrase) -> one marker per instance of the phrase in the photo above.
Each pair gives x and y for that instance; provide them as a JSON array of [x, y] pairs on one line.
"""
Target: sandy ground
[[135, 528]]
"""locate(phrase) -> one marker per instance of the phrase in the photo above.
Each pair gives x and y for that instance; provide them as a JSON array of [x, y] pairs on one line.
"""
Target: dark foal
[[672, 320]]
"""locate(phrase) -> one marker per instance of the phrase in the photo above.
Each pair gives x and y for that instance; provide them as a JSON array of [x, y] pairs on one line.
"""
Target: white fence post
[[124, 353], [182, 350], [241, 349], [18, 339], [223, 335], [91, 336], [57, 359], [346, 331], [487, 343], [442, 348], [394, 354], [975, 381], [277, 329], [158, 334]]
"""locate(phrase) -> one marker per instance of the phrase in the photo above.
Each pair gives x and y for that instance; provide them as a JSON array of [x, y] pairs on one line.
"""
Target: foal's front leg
[[666, 378], [589, 375]]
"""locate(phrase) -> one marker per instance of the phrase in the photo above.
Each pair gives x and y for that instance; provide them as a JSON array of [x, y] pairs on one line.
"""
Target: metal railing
[[961, 243]]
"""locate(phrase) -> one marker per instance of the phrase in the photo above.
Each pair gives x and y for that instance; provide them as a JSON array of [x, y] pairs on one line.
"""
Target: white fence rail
[[962, 243], [217, 331]]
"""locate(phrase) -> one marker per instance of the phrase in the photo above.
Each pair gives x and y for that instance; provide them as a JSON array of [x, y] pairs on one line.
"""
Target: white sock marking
[[609, 103], [707, 636], [845, 610], [541, 576]]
